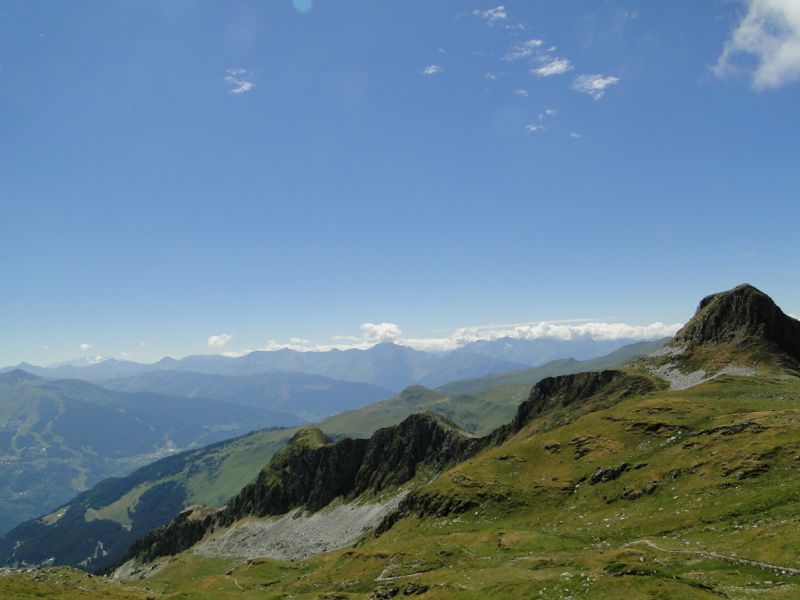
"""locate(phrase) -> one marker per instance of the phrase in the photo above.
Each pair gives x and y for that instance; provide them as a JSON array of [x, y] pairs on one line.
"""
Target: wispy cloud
[[575, 136], [84, 347], [524, 49], [239, 81], [594, 85], [555, 66], [534, 128], [547, 330], [521, 93], [431, 70], [770, 33], [548, 112], [219, 341], [373, 333], [493, 15]]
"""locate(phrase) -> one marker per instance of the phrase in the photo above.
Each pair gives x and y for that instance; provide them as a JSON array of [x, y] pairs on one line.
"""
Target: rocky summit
[[743, 318], [311, 471]]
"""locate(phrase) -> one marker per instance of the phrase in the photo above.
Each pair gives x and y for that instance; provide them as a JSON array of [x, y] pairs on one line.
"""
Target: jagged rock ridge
[[311, 471], [571, 391]]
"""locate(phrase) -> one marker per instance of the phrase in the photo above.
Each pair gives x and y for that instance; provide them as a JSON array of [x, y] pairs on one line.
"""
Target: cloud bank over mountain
[[374, 333]]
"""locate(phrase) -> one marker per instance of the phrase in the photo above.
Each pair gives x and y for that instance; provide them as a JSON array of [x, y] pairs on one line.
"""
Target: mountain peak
[[309, 437], [742, 317]]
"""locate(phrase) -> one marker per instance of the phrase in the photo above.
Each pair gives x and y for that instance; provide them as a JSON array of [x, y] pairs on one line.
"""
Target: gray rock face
[[311, 472], [743, 316], [298, 534]]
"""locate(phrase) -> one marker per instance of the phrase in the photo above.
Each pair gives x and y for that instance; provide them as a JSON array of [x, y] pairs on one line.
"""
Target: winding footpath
[[781, 570]]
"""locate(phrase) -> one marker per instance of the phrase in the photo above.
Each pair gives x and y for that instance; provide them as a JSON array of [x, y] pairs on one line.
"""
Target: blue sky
[[175, 171]]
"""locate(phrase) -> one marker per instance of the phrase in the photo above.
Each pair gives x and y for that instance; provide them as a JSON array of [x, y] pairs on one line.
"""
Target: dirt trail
[[779, 569]]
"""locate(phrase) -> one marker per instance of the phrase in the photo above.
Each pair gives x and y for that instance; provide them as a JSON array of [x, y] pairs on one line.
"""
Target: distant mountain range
[[58, 437], [539, 351], [388, 365]]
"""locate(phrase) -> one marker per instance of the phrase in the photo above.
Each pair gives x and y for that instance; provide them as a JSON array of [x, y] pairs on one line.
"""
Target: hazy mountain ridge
[[311, 397], [538, 351], [388, 365], [562, 366], [58, 437]]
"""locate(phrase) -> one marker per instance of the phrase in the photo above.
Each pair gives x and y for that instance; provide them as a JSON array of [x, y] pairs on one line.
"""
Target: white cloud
[[534, 128], [594, 85], [492, 76], [84, 347], [431, 70], [769, 33], [547, 329], [375, 333], [521, 93], [238, 80], [575, 135], [371, 334], [492, 15], [218, 341], [555, 66], [523, 50], [548, 112]]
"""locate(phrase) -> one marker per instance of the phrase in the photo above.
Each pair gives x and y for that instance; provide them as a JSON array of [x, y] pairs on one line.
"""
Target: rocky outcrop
[[571, 391], [744, 317], [311, 471]]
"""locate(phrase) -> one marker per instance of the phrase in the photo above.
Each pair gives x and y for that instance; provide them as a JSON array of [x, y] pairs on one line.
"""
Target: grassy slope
[[211, 476], [723, 494]]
